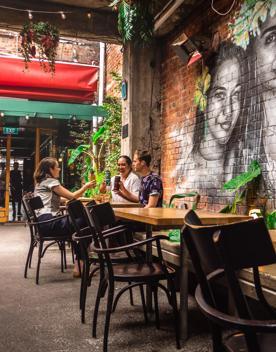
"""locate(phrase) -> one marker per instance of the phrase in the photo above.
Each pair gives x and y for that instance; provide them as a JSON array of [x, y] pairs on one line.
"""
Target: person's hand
[[90, 184], [103, 187], [122, 189]]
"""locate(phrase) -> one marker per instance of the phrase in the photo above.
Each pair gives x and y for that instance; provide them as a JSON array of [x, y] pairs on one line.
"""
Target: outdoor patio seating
[[31, 204], [220, 251], [106, 220], [135, 274]]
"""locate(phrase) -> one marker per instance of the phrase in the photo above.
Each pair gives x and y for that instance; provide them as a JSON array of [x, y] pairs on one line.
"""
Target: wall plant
[[135, 20], [238, 186]]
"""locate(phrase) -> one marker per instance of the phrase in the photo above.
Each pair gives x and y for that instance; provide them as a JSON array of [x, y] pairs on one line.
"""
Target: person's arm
[[123, 192], [65, 193], [153, 200]]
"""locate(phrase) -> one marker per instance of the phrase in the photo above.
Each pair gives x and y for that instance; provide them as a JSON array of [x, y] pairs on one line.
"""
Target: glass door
[[5, 156]]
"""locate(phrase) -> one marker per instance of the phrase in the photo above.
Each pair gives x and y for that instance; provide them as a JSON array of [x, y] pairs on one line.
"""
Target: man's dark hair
[[143, 156]]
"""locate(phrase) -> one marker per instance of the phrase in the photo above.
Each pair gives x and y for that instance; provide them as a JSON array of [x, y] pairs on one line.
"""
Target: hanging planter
[[40, 40], [135, 20]]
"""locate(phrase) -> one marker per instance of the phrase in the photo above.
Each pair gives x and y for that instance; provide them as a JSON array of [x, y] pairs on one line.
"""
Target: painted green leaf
[[253, 171], [77, 152], [202, 86]]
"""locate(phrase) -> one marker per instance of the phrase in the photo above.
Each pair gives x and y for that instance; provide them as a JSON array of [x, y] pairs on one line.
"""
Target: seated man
[[151, 189]]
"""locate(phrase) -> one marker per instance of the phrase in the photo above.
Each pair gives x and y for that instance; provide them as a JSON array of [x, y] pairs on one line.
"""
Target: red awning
[[71, 82]]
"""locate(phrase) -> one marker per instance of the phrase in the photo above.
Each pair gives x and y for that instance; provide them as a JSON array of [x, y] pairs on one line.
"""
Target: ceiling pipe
[[166, 12]]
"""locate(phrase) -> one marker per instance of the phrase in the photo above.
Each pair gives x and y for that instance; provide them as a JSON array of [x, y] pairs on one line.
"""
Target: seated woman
[[49, 189], [128, 180]]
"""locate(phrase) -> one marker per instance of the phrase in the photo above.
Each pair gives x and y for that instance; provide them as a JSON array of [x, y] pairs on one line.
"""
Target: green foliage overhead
[[135, 20], [77, 152], [236, 183]]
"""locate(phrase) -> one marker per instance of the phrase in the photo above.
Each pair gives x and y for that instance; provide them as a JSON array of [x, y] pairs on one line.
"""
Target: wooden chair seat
[[140, 271]]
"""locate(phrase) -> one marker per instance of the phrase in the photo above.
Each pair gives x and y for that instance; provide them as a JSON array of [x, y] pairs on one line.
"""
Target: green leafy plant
[[40, 40], [237, 185], [270, 219], [248, 20], [202, 86], [135, 20], [186, 195]]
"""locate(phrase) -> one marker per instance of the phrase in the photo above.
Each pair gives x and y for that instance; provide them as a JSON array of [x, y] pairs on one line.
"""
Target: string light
[[51, 117], [31, 12], [30, 15], [89, 15], [62, 14], [2, 114], [27, 117]]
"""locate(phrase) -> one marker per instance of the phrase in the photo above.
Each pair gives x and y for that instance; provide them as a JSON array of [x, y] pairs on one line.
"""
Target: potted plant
[[40, 40]]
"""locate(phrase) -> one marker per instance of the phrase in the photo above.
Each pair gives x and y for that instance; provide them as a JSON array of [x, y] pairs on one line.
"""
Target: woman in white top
[[128, 180]]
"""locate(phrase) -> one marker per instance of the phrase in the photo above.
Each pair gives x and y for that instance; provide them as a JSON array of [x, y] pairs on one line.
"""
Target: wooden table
[[175, 218], [114, 204]]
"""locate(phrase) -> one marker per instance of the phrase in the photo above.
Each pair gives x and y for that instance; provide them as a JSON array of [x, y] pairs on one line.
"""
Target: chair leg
[[64, 253], [31, 254], [102, 285], [155, 297], [217, 338], [72, 251], [176, 316], [40, 250], [28, 260], [61, 256], [108, 315], [143, 303], [84, 279], [131, 295]]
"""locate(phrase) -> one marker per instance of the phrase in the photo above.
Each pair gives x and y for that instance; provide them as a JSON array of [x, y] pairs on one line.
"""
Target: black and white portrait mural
[[236, 105]]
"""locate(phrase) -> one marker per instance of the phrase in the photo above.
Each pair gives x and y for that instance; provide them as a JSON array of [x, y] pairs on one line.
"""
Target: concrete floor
[[46, 318]]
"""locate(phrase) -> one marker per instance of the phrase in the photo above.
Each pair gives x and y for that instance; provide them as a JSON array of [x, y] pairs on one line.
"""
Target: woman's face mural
[[223, 107], [265, 48]]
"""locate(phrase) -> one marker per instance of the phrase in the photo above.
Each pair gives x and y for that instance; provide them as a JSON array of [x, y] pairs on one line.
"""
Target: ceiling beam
[[166, 12], [101, 27]]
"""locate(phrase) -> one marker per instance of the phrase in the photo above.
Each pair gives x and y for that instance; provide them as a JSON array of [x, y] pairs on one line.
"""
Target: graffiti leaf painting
[[202, 86], [248, 19]]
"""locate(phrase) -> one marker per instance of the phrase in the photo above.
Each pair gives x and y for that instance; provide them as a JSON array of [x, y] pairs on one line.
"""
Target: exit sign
[[11, 130]]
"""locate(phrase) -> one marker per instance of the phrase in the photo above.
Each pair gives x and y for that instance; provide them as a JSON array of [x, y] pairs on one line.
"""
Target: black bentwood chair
[[83, 236], [31, 204], [220, 251], [136, 273]]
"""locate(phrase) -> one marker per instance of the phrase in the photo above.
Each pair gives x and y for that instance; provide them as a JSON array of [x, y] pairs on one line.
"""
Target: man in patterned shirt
[[151, 189]]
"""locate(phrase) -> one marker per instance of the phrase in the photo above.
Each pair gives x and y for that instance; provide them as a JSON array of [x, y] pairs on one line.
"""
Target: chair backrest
[[78, 216], [244, 245], [103, 216], [186, 195]]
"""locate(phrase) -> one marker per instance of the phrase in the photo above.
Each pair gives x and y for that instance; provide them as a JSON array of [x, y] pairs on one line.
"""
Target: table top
[[114, 204], [173, 216]]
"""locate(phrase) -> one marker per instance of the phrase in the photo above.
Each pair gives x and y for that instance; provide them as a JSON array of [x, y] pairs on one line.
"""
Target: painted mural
[[236, 106]]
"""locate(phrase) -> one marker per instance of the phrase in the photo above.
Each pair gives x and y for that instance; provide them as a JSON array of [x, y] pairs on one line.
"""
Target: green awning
[[48, 110]]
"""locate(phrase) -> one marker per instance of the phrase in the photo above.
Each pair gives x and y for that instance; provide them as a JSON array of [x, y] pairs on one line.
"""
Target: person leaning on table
[[49, 189], [151, 188]]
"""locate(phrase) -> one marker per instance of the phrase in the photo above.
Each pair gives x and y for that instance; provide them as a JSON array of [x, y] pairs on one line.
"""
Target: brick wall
[[84, 52], [203, 150], [114, 60]]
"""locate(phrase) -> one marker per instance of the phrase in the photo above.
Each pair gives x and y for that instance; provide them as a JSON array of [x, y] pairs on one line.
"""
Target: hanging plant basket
[[40, 40], [135, 20]]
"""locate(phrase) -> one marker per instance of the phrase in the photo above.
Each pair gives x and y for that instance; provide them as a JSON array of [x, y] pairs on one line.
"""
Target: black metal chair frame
[[109, 275], [212, 243], [31, 204]]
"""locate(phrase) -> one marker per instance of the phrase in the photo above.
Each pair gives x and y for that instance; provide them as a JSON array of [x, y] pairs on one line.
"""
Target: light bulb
[[51, 117], [30, 15], [27, 117], [2, 114], [89, 15], [63, 16]]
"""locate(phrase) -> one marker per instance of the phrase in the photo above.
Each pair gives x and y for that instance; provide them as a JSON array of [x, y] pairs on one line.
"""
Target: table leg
[[149, 260], [183, 310]]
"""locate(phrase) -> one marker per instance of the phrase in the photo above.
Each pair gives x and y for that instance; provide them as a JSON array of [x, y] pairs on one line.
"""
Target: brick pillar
[[141, 109]]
